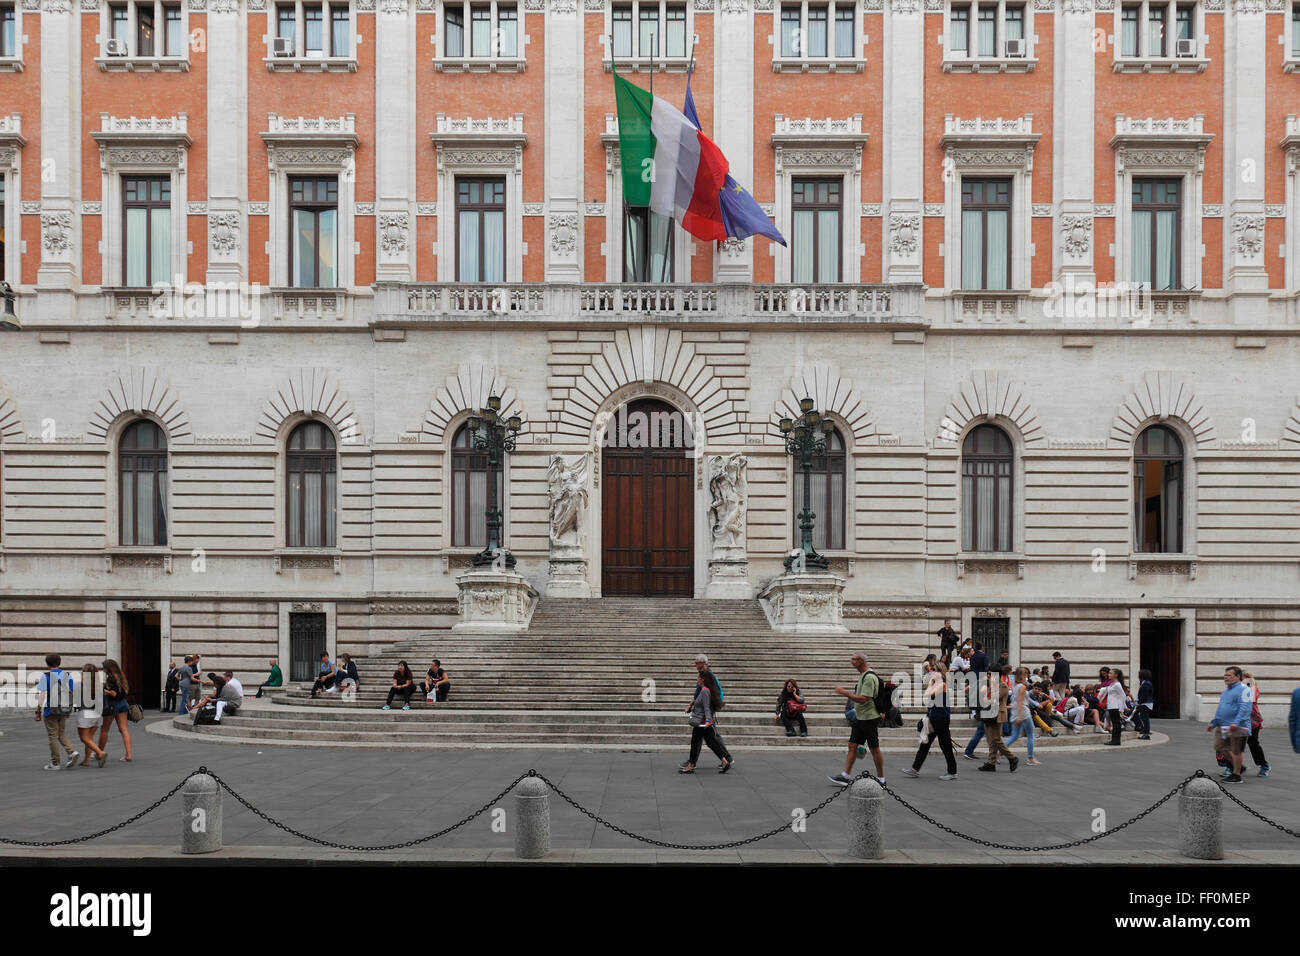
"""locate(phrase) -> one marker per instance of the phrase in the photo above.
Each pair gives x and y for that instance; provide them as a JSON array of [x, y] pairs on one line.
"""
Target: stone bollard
[[866, 835], [200, 815], [532, 819], [1200, 820]]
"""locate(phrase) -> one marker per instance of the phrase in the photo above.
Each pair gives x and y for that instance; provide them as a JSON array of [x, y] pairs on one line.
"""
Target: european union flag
[[741, 214]]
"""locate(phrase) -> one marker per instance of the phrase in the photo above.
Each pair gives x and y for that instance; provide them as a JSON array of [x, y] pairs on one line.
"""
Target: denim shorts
[[113, 708]]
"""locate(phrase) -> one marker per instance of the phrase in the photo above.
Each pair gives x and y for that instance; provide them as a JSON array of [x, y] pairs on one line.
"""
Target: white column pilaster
[[1244, 147], [396, 141], [562, 136], [733, 121], [903, 143], [1073, 172], [227, 142], [61, 239]]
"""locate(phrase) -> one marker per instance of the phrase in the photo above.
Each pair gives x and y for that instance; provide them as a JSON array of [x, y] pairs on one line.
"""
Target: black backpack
[[890, 716]]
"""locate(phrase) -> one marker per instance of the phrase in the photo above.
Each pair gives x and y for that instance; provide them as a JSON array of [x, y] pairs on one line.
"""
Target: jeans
[[707, 735], [183, 701], [1116, 725], [975, 739], [939, 728], [791, 721], [1027, 726], [1142, 720]]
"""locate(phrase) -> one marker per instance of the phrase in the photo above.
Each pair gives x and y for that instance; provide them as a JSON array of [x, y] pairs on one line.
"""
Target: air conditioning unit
[[115, 48], [1016, 48], [281, 46], [1185, 48]]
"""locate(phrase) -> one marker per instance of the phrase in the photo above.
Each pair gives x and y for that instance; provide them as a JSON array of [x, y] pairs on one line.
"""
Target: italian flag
[[668, 164]]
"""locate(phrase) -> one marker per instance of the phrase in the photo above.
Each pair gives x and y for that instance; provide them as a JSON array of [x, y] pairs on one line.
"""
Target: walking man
[[993, 728], [185, 681], [54, 704], [1060, 674], [866, 722], [1231, 723], [936, 694]]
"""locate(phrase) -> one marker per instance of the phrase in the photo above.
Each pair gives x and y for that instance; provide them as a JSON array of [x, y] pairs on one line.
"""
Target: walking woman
[[1256, 724], [702, 729], [1022, 719], [789, 709], [88, 717], [1114, 696], [115, 706], [403, 684], [939, 714]]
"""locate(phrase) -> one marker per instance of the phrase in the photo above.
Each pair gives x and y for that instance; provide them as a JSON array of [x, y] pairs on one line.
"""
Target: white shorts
[[88, 718]]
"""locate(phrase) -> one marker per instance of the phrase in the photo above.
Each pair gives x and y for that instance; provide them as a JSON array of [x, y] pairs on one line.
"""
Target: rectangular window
[[815, 207], [675, 31], [647, 38], [313, 231], [1014, 26], [144, 30], [480, 31], [1157, 223], [986, 37], [286, 22], [507, 31], [173, 39], [340, 31], [817, 31], [1183, 21], [790, 45], [8, 24], [1156, 31], [314, 30], [844, 23], [959, 32], [647, 246], [1295, 31], [146, 230], [119, 26], [480, 230], [454, 42], [621, 22], [1128, 45], [985, 233]]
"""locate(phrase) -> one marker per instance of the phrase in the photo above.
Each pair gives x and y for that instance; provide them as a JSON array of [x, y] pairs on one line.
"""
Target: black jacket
[[1061, 672], [979, 662]]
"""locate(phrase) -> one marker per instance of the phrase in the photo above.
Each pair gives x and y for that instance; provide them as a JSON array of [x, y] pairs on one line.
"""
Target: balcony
[[600, 303]]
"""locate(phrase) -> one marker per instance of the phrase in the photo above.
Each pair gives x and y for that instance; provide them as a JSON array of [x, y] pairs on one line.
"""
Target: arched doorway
[[647, 502]]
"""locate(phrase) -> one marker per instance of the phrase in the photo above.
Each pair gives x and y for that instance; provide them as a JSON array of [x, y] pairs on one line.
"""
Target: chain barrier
[[636, 836]]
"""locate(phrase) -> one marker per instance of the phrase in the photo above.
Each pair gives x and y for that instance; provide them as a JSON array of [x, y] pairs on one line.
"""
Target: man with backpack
[[866, 724], [54, 704], [717, 700]]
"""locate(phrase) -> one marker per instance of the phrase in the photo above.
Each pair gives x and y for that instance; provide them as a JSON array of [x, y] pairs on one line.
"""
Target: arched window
[[142, 485], [469, 470], [312, 470], [986, 470], [827, 474], [1158, 491]]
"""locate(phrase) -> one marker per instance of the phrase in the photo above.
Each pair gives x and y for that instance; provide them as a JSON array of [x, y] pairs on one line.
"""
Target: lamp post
[[8, 319], [489, 432], [804, 437]]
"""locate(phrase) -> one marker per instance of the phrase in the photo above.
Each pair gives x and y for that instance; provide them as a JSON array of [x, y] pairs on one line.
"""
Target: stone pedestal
[[532, 819], [1200, 820], [729, 575], [807, 603], [866, 834], [494, 602], [200, 815], [567, 578]]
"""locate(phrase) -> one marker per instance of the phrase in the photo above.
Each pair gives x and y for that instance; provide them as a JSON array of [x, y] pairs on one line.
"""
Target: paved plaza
[[386, 796]]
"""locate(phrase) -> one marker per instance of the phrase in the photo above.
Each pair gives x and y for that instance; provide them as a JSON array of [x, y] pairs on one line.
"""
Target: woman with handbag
[[116, 706], [789, 709]]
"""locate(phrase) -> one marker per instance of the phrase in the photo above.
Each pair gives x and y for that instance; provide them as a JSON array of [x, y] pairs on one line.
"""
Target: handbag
[[793, 707], [135, 713]]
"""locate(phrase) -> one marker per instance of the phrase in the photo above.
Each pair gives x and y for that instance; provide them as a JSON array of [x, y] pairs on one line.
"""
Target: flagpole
[[654, 48]]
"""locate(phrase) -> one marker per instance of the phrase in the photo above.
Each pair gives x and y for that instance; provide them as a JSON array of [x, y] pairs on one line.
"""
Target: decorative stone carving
[[169, 156], [835, 158], [308, 562], [448, 606], [1212, 210], [567, 483], [1159, 396], [736, 7], [1076, 236], [989, 566], [733, 248], [810, 603], [904, 233], [223, 6], [865, 610], [870, 209], [986, 395], [993, 157], [534, 209], [158, 562], [393, 7], [1103, 210], [393, 228], [1137, 566], [932, 210], [56, 231], [88, 208], [138, 391], [1248, 235], [494, 602], [259, 209], [564, 6], [594, 208], [564, 234], [728, 493], [223, 233]]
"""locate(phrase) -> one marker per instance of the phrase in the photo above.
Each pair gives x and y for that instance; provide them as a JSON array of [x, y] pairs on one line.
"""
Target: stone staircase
[[604, 673]]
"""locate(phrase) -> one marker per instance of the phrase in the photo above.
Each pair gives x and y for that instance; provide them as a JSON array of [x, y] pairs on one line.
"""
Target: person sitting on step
[[348, 679], [328, 674], [789, 709], [403, 685], [436, 684]]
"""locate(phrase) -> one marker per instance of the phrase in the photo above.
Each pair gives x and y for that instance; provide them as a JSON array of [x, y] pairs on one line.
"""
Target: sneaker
[[988, 767], [879, 780], [1227, 772], [1232, 778], [948, 776], [803, 733], [53, 766], [791, 733], [969, 756], [72, 760], [385, 707], [101, 760], [1015, 762], [1144, 737], [841, 780], [1263, 771], [406, 707], [909, 772]]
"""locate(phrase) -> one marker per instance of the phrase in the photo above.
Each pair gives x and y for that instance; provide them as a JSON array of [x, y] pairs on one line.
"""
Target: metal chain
[[1052, 846], [1253, 812], [351, 846], [686, 846], [82, 839]]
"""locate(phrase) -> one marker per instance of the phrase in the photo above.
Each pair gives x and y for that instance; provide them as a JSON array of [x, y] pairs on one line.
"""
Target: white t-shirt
[[234, 682], [1115, 696]]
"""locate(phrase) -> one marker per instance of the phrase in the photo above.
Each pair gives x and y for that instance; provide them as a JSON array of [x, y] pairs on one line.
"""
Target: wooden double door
[[647, 503]]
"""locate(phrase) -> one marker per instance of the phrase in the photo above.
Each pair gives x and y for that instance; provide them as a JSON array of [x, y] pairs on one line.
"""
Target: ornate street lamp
[[805, 437], [8, 320], [489, 432]]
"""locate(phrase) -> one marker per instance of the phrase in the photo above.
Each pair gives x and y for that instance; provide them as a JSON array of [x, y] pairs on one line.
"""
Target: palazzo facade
[[269, 258]]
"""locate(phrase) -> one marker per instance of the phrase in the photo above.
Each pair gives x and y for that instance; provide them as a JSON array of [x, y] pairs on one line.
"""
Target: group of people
[[183, 690], [98, 701], [436, 685]]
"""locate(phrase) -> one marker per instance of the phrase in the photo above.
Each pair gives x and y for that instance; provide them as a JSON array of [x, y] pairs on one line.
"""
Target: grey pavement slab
[[382, 796]]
